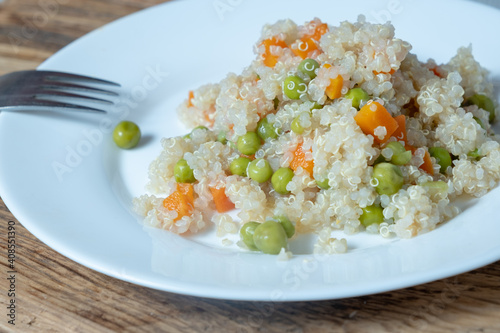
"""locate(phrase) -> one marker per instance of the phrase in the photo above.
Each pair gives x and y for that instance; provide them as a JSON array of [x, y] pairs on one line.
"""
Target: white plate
[[84, 213]]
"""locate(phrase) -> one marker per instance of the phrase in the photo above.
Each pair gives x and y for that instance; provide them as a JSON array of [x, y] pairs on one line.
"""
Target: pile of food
[[330, 127]]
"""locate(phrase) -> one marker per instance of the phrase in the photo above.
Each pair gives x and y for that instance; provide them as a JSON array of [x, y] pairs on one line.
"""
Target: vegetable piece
[[400, 156], [181, 200], [483, 102], [126, 134], [276, 103], [270, 59], [296, 127], [372, 214], [259, 170], [286, 224], [280, 180], [479, 122], [357, 95], [270, 237], [248, 143], [299, 160], [246, 234], [388, 178], [442, 157], [308, 67], [373, 116], [400, 132], [316, 106], [183, 173], [437, 189], [319, 30], [222, 202], [188, 136], [190, 98], [427, 165], [303, 47], [392, 71], [334, 90], [323, 183], [265, 130], [293, 87], [474, 154], [239, 166], [221, 137]]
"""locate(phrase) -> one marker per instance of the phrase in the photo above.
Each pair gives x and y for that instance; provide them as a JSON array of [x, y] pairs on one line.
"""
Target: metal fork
[[37, 90]]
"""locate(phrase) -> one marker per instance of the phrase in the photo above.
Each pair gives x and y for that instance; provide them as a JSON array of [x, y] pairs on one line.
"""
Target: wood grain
[[55, 294]]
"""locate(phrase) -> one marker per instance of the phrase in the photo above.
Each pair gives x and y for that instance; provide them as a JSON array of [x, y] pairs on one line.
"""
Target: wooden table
[[55, 294]]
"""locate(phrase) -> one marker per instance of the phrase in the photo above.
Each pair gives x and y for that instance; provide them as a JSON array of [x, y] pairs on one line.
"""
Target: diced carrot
[[269, 59], [400, 132], [374, 115], [190, 98], [209, 116], [392, 71], [303, 47], [222, 202], [319, 31], [299, 160], [181, 200], [435, 71], [334, 90], [251, 157], [427, 165]]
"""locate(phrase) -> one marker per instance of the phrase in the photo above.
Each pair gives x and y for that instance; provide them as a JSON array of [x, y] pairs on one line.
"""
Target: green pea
[[483, 102], [442, 157], [246, 234], [293, 87], [286, 224], [221, 137], [259, 170], [323, 183], [239, 166], [308, 67], [126, 134], [280, 180], [296, 126], [248, 143], [389, 178], [400, 156], [396, 147], [372, 214], [276, 102], [265, 130], [357, 95], [379, 159], [270, 237], [436, 188], [479, 122], [316, 106], [183, 173], [188, 136], [474, 154]]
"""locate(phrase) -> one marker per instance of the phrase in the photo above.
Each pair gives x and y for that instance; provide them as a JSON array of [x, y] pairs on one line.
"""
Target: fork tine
[[61, 76], [59, 85], [37, 104], [57, 93]]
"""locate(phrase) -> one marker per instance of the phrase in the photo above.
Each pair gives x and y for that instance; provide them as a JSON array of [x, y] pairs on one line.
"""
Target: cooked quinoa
[[335, 193]]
